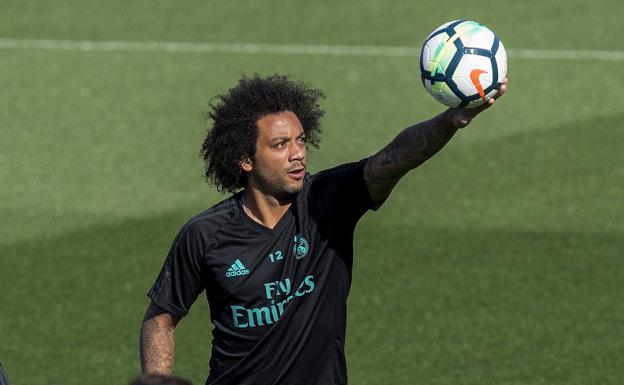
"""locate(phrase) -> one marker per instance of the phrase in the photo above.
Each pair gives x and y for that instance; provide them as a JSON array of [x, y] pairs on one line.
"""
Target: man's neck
[[265, 209]]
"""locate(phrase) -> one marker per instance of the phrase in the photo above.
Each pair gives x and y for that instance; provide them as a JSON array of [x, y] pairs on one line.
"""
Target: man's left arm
[[414, 145]]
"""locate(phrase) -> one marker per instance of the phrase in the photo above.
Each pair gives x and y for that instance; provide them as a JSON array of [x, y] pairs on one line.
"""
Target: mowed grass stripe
[[283, 49]]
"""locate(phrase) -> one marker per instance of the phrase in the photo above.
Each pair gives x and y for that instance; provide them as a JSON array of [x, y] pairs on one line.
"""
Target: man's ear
[[246, 164]]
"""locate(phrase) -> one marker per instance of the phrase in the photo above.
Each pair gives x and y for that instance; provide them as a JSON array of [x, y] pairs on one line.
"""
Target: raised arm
[[414, 145], [157, 340]]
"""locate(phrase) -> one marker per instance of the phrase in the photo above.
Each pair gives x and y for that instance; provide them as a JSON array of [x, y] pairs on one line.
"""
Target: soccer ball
[[463, 63]]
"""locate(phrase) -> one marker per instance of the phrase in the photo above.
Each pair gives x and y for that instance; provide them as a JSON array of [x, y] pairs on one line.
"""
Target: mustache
[[297, 168]]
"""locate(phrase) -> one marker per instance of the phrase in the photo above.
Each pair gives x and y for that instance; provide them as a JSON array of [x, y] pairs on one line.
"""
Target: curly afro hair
[[235, 131]]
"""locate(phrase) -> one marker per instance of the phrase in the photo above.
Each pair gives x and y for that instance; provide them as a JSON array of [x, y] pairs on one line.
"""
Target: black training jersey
[[277, 296]]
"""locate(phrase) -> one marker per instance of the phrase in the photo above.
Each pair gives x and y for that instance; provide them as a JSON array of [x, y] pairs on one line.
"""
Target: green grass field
[[497, 262]]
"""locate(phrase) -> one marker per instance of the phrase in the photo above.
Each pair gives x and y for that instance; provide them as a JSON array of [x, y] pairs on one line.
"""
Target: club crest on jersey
[[301, 246]]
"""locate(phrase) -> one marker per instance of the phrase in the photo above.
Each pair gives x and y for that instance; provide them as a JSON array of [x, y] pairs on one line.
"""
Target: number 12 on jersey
[[276, 256]]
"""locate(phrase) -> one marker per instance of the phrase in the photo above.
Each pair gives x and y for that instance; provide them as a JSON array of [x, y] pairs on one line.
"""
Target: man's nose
[[298, 152]]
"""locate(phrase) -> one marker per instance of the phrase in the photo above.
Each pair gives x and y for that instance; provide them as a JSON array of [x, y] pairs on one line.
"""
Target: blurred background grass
[[496, 262]]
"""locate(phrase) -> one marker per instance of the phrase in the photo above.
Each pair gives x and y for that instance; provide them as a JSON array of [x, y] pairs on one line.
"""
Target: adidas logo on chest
[[237, 269]]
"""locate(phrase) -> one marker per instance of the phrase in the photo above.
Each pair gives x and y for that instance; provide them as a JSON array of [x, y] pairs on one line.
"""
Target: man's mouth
[[297, 173]]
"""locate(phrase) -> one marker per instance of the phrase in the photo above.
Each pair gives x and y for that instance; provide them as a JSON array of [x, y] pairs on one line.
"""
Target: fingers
[[477, 110], [502, 89], [462, 117]]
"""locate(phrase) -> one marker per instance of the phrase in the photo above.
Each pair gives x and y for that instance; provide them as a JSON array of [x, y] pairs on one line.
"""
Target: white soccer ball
[[463, 63]]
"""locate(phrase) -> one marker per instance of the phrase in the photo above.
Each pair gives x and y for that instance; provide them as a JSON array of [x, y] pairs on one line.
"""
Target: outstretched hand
[[462, 116]]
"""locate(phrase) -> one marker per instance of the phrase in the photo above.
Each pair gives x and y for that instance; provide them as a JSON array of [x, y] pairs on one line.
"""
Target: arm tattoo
[[411, 148], [156, 347]]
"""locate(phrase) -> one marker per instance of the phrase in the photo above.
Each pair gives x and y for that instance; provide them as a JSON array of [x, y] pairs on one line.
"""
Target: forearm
[[412, 147], [157, 346]]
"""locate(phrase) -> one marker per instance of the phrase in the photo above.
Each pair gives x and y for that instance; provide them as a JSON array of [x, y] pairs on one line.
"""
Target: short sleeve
[[180, 280], [340, 193]]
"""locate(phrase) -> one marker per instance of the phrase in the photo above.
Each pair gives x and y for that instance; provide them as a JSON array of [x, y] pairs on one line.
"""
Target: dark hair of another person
[[234, 118], [4, 378], [159, 379]]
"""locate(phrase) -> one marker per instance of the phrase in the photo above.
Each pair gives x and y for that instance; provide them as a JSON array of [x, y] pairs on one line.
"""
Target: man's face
[[278, 168]]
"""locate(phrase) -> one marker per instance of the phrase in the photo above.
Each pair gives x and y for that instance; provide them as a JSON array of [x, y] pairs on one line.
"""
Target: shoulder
[[207, 223], [336, 187], [341, 176], [351, 168]]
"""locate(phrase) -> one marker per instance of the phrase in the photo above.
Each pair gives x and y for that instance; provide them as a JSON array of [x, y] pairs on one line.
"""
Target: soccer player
[[275, 258]]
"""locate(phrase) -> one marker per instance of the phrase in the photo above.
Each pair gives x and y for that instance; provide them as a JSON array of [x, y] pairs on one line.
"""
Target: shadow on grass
[[487, 306], [450, 303], [72, 304]]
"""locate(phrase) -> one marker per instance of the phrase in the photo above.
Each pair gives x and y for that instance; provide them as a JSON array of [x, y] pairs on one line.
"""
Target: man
[[275, 259]]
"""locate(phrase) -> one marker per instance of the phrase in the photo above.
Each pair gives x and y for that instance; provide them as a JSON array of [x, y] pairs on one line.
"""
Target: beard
[[274, 185]]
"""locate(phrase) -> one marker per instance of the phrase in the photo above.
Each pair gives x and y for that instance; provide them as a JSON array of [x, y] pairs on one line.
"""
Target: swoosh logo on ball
[[474, 77]]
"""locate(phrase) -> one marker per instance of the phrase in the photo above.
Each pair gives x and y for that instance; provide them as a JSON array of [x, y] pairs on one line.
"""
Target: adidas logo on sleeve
[[237, 269]]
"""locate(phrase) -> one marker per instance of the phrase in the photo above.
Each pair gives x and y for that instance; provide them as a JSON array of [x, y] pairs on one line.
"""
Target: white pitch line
[[280, 49], [565, 54]]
